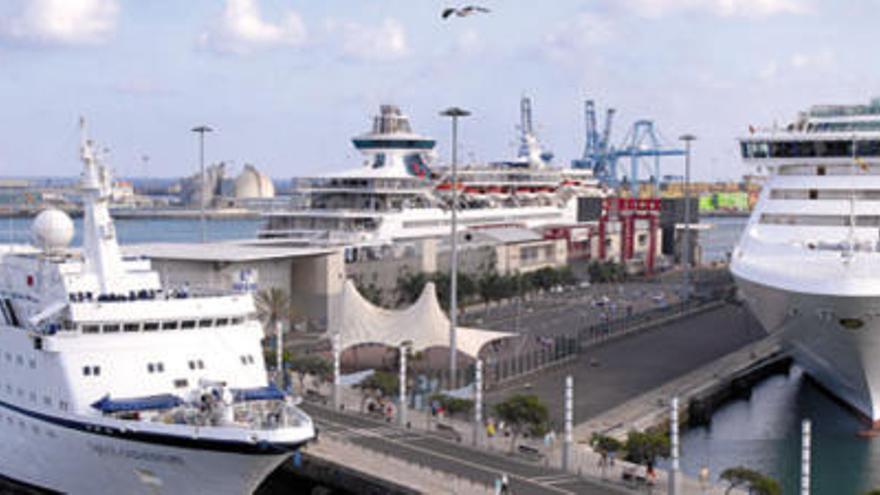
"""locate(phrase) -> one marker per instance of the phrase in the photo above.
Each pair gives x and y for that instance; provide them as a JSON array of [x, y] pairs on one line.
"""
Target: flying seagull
[[463, 11]]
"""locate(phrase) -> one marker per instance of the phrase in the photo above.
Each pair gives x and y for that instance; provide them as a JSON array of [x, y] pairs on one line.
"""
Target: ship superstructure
[[112, 383], [400, 194], [808, 262]]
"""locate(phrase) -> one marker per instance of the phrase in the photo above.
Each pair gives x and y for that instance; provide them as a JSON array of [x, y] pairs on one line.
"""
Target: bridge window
[[169, 325], [188, 324], [111, 328], [131, 327], [205, 323], [90, 328], [151, 326]]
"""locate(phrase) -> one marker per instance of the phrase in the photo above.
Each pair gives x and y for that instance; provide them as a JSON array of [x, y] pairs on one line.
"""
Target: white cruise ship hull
[[842, 360], [68, 459]]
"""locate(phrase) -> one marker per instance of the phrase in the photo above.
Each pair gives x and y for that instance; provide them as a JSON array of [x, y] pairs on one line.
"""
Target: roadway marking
[[469, 464]]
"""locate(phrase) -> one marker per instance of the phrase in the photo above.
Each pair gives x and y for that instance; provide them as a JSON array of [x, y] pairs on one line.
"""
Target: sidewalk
[[585, 463]]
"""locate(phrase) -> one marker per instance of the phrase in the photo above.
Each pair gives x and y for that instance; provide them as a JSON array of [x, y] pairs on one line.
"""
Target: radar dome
[[253, 184], [52, 230]]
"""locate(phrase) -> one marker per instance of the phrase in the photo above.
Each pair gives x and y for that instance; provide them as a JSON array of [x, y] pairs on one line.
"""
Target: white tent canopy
[[424, 324]]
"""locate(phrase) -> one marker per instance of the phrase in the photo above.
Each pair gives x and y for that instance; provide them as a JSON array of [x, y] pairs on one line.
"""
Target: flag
[[862, 164]]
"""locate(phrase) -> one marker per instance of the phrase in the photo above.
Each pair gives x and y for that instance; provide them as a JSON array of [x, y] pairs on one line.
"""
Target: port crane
[[641, 146]]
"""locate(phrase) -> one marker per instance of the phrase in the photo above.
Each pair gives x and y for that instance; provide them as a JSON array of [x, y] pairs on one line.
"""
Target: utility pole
[[454, 113], [569, 420], [401, 408], [806, 434], [478, 401], [686, 253], [674, 469], [202, 129], [337, 350]]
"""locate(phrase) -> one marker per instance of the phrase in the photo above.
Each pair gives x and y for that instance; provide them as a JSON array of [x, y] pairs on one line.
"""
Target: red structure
[[628, 211], [578, 238]]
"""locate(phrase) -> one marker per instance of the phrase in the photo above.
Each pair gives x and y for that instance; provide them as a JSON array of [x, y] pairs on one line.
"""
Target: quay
[[621, 384]]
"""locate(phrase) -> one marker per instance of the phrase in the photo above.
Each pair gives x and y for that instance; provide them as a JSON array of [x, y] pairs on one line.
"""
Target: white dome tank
[[52, 230], [253, 184]]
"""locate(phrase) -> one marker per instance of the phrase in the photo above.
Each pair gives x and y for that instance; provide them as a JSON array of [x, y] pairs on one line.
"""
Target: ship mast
[[100, 248]]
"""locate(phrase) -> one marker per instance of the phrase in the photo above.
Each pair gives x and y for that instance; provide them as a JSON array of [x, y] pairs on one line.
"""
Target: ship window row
[[819, 220], [35, 428], [826, 194], [91, 371], [477, 221], [19, 360], [837, 148], [247, 359], [152, 326], [32, 396], [859, 167]]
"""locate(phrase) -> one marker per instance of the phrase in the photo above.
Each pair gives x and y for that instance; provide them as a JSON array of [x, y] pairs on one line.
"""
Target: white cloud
[[241, 29], [823, 59], [64, 22], [578, 35], [723, 8], [386, 41]]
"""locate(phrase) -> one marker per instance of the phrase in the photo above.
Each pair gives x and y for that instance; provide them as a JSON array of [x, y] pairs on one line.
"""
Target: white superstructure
[[808, 262], [398, 194], [110, 383]]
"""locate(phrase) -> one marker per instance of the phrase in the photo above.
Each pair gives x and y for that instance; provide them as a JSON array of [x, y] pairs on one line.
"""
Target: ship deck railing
[[258, 415]]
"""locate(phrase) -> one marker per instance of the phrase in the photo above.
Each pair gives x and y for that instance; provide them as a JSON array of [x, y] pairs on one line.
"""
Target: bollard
[[569, 419], [674, 473], [806, 434]]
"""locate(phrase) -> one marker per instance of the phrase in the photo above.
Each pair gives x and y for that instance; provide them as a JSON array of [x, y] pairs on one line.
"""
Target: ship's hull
[[835, 339], [73, 460]]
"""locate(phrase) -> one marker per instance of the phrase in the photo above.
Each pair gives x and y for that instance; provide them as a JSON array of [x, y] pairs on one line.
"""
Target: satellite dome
[[253, 184], [52, 230]]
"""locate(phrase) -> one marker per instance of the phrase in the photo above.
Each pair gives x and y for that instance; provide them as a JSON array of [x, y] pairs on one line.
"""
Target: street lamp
[[454, 113], [202, 129], [687, 138]]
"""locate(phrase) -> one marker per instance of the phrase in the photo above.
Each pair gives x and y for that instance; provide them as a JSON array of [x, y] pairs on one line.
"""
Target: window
[[244, 359], [131, 327], [205, 323], [820, 170], [222, 322], [151, 368], [188, 324], [32, 396], [151, 326], [111, 328], [200, 364], [87, 370], [47, 401], [237, 321], [181, 383], [90, 328], [19, 360], [250, 359], [169, 325], [814, 194], [192, 365], [32, 363], [96, 370]]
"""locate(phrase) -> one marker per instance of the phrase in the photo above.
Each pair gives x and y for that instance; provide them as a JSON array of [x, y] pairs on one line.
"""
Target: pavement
[[426, 449], [613, 372]]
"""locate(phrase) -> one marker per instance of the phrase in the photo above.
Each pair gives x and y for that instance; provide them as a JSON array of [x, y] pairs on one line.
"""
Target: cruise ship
[[112, 383], [398, 193], [808, 262]]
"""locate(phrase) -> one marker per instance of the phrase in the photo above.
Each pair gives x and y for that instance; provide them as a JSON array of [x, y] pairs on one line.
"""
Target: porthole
[[851, 323]]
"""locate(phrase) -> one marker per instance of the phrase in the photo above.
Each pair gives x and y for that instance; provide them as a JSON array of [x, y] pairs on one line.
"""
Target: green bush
[[453, 405]]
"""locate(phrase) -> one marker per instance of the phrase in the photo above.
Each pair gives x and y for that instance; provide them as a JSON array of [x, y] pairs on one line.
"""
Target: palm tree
[[273, 309]]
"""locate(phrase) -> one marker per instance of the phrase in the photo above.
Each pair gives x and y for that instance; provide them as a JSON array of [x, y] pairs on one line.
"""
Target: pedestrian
[[505, 484]]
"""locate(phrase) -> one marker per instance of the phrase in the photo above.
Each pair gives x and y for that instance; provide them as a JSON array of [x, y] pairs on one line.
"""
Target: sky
[[287, 83]]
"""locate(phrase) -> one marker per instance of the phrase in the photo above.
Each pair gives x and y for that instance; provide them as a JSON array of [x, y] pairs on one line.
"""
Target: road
[[426, 449], [610, 373]]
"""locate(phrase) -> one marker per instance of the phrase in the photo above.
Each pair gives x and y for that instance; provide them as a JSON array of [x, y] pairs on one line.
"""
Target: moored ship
[[112, 383], [808, 262]]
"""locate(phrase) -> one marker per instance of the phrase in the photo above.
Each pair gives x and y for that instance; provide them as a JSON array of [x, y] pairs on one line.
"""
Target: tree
[[371, 293], [309, 364], [755, 482], [453, 405], [644, 447], [604, 443], [382, 381], [524, 414], [273, 310], [409, 287]]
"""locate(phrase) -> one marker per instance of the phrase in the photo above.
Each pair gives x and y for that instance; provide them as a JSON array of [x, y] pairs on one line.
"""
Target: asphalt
[[610, 373], [463, 461]]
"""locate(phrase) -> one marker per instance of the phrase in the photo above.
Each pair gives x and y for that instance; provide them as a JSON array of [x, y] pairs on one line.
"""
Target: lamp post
[[202, 129], [454, 113], [686, 253]]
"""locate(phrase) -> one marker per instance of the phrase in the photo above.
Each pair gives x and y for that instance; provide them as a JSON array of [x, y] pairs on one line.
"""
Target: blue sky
[[286, 83]]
